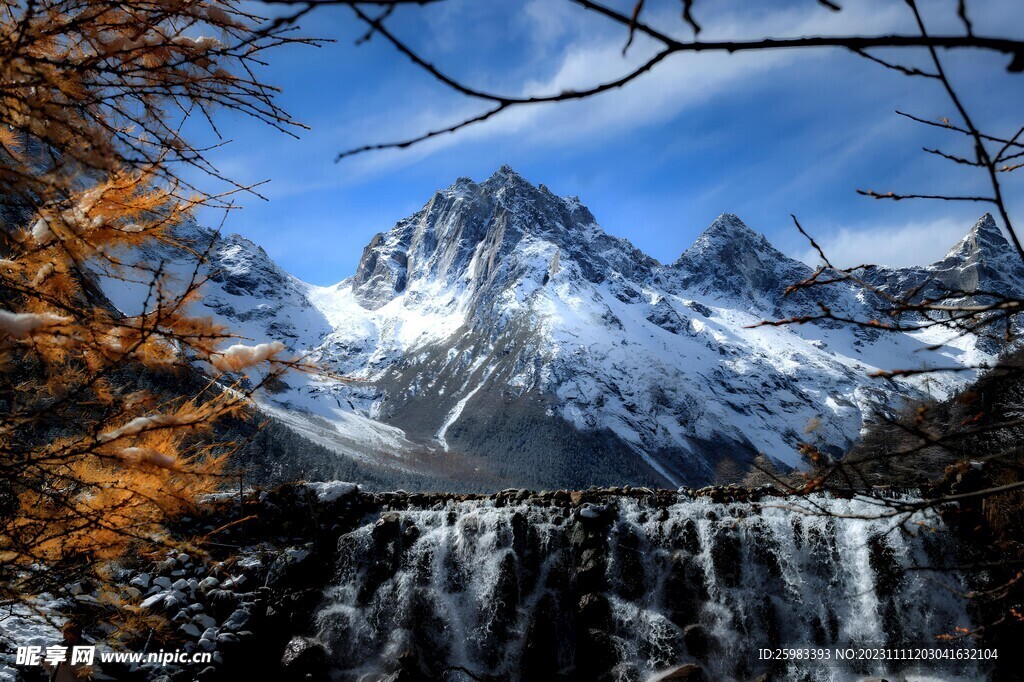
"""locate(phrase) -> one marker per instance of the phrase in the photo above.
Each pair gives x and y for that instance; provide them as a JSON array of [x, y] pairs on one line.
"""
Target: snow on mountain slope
[[258, 301], [499, 334]]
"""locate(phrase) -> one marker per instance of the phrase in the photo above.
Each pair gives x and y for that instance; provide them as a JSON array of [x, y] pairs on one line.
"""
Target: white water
[[497, 590]]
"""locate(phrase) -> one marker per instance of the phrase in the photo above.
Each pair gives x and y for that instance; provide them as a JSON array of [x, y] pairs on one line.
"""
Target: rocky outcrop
[[731, 261]]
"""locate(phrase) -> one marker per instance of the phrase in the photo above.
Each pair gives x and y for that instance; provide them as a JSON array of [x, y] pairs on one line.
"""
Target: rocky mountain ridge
[[500, 337]]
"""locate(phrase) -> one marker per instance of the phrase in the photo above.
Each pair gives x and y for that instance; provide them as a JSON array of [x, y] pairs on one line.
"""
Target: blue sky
[[760, 135]]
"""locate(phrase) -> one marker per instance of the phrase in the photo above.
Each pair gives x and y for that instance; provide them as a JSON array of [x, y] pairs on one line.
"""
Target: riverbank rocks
[[597, 655], [205, 614], [591, 571], [504, 600]]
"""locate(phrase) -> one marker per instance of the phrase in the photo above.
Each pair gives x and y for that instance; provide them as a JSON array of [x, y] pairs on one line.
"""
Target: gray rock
[[190, 630], [237, 620], [208, 583], [304, 658], [141, 581], [152, 600], [203, 620]]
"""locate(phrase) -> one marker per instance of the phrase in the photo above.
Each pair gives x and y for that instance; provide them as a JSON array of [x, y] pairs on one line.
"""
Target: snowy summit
[[503, 336]]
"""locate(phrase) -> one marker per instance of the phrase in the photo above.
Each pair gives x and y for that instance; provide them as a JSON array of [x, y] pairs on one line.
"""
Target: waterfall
[[622, 588]]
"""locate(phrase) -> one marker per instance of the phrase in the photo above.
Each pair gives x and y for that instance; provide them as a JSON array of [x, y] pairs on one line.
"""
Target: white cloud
[[574, 50], [916, 243], [681, 82]]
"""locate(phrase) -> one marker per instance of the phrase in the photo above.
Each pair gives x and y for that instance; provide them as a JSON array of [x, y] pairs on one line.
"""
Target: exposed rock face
[[731, 261], [468, 240], [504, 338]]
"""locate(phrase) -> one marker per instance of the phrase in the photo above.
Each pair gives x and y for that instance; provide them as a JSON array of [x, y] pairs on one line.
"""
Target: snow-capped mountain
[[499, 335]]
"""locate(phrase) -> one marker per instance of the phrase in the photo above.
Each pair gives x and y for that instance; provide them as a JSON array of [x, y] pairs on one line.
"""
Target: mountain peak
[[984, 239], [726, 232], [731, 259], [728, 223], [986, 231], [478, 237], [505, 175], [982, 261]]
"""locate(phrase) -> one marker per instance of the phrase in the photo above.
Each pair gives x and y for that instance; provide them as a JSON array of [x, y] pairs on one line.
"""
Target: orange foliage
[[93, 97]]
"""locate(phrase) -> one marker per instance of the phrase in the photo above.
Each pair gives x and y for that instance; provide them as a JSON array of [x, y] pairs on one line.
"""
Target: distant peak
[[731, 259], [725, 236], [984, 236], [505, 175], [987, 229], [728, 223], [502, 177], [727, 230]]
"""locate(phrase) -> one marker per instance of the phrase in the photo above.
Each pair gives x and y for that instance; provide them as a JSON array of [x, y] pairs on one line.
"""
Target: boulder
[[595, 612], [596, 654], [304, 658], [590, 573], [691, 672], [698, 641]]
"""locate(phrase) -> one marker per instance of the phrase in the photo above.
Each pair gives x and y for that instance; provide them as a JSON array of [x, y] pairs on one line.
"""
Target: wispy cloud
[[916, 243], [589, 57]]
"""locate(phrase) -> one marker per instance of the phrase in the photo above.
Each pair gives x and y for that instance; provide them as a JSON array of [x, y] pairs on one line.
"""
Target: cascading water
[[622, 587]]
